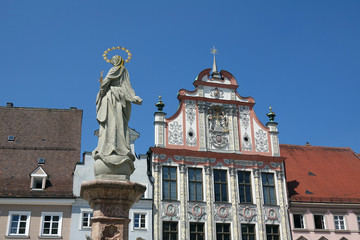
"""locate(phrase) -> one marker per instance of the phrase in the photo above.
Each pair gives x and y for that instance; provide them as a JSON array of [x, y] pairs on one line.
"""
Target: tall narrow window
[[139, 220], [248, 232], [272, 232], [170, 230], [358, 220], [220, 186], [244, 181], [319, 222], [197, 231], [169, 183], [298, 221], [223, 231], [339, 222], [19, 223], [51, 224], [195, 184], [268, 188]]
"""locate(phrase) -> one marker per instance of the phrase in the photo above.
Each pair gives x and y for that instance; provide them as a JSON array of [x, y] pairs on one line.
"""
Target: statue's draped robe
[[113, 114]]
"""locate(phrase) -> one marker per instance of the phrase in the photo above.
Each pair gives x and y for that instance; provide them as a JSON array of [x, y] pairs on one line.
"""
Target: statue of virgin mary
[[113, 156]]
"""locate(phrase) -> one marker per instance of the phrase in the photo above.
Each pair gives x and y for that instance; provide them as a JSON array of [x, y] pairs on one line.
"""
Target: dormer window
[[38, 179]]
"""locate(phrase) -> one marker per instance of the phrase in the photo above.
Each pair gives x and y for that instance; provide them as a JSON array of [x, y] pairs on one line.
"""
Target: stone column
[[111, 201]]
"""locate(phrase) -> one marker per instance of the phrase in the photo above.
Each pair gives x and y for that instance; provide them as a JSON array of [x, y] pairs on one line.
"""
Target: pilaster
[[258, 197], [157, 201], [234, 200], [202, 125], [283, 209], [183, 202], [159, 124], [209, 203]]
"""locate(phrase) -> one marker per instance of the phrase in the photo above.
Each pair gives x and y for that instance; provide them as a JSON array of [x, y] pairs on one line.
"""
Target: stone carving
[[271, 215], [248, 214], [246, 143], [223, 212], [175, 133], [261, 141], [190, 111], [197, 211], [170, 211], [110, 232], [245, 123], [218, 125], [216, 93], [113, 156], [191, 138]]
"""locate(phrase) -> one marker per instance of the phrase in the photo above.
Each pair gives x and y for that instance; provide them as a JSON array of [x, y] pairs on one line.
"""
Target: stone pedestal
[[111, 201]]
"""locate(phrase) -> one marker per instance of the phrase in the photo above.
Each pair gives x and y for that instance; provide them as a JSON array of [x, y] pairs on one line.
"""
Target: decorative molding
[[157, 166], [248, 214], [170, 211], [280, 175], [190, 111], [302, 238], [175, 133], [197, 211], [191, 139], [183, 168], [208, 170], [222, 212], [256, 173], [271, 215], [261, 141], [216, 93]]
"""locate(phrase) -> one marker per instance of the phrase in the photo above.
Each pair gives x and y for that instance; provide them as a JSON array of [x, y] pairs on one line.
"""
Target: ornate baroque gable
[[214, 117]]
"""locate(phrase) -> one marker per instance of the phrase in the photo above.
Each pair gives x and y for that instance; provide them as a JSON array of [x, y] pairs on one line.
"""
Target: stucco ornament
[[113, 156]]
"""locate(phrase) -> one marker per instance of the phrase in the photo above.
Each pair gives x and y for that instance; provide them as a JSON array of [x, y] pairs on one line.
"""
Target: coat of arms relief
[[218, 127]]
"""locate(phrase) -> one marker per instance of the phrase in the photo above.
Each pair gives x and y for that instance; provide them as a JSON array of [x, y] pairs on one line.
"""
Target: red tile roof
[[53, 134], [322, 174]]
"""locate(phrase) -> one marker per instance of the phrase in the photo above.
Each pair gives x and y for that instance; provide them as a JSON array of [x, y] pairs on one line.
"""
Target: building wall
[[350, 214], [35, 218]]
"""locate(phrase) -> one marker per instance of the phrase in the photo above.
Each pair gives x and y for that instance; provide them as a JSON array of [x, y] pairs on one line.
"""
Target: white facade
[[81, 211], [217, 169]]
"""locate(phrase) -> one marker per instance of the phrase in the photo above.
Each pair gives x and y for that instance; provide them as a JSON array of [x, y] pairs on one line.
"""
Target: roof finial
[[160, 105], [271, 115], [215, 73]]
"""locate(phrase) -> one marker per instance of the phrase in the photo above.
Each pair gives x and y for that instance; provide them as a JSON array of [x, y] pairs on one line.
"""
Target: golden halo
[[120, 48]]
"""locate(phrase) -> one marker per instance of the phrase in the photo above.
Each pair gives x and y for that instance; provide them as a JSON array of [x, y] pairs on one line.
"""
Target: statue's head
[[117, 60]]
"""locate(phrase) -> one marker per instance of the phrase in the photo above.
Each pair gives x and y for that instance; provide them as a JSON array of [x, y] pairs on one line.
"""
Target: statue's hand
[[137, 100]]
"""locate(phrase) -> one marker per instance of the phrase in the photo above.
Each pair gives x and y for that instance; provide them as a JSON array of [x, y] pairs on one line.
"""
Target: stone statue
[[113, 156]]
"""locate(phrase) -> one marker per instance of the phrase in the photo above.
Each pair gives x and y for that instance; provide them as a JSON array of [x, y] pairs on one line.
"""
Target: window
[[248, 232], [195, 184], [220, 185], [319, 222], [86, 217], [272, 232], [358, 219], [298, 221], [38, 179], [244, 181], [339, 222], [223, 231], [197, 231], [51, 224], [170, 230], [268, 188], [18, 223], [169, 183], [139, 221]]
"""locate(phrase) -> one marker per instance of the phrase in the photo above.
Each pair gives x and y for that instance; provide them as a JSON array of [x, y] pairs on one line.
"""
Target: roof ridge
[[303, 146]]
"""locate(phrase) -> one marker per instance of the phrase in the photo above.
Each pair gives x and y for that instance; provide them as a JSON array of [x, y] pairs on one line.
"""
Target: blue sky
[[300, 57]]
